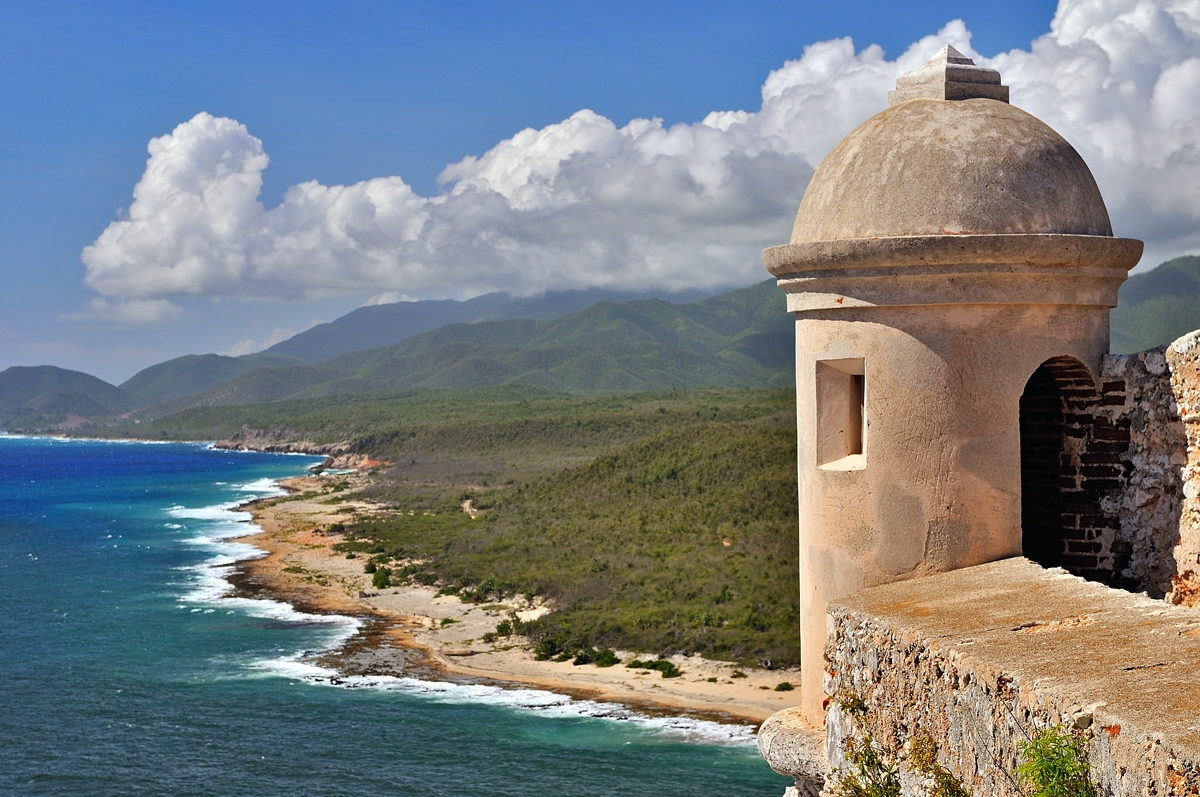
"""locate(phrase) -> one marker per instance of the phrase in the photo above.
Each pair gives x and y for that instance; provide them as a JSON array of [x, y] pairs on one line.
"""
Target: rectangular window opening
[[841, 414]]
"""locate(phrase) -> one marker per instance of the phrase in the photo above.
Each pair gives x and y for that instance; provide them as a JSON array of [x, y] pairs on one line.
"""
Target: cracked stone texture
[[983, 656], [795, 748]]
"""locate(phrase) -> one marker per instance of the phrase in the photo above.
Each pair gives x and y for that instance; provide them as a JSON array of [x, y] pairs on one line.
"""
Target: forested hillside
[[1158, 306]]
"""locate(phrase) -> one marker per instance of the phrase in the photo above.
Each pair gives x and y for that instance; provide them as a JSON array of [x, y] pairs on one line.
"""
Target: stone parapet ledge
[[983, 657], [795, 748]]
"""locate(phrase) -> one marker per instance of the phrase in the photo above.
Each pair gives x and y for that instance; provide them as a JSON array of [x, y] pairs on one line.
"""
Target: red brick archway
[[1070, 460]]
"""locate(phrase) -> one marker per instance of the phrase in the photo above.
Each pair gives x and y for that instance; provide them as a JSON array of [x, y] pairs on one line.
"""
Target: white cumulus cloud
[[251, 345], [587, 203]]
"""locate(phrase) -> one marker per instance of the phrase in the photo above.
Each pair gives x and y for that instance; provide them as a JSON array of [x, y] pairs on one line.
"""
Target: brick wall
[[1128, 450], [1074, 438]]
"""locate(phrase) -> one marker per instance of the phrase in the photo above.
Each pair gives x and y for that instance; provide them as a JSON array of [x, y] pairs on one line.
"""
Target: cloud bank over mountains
[[585, 203]]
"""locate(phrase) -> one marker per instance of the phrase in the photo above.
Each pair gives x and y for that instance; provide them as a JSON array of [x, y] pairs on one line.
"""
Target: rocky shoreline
[[413, 631], [338, 456]]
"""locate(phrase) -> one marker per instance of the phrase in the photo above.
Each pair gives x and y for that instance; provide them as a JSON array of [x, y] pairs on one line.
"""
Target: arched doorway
[[1041, 450], [1064, 475]]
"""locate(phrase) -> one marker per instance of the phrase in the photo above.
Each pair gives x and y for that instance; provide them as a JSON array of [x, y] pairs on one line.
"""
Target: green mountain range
[[743, 338], [737, 339], [37, 396], [383, 325], [1158, 306], [195, 373]]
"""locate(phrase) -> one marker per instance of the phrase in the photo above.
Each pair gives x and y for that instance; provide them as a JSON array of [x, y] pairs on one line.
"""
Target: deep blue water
[[124, 671]]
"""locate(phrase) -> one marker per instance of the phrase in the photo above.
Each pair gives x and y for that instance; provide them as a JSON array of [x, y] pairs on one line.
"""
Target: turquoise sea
[[125, 668]]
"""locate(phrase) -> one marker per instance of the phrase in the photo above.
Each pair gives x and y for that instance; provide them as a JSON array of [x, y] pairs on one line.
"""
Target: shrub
[[873, 775], [369, 567], [546, 648], [1054, 764], [606, 658], [784, 686], [737, 674], [585, 656], [489, 637], [667, 669], [923, 757], [426, 579], [381, 578]]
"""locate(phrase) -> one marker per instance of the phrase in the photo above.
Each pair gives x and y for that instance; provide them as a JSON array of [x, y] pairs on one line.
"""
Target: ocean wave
[[536, 701], [227, 512], [210, 587], [212, 446], [215, 528], [57, 438], [269, 487]]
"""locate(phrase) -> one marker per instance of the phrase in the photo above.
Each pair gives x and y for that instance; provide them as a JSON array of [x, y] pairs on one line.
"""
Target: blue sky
[[340, 93]]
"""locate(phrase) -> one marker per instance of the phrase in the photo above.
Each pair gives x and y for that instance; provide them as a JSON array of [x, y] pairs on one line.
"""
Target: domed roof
[[951, 167]]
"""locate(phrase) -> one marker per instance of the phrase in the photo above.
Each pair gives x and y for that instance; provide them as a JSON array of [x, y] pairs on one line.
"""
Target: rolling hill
[[45, 395], [738, 339], [194, 373], [383, 325], [1158, 306]]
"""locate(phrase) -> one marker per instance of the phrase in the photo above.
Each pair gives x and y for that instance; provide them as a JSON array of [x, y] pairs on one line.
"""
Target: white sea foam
[[537, 701], [268, 487], [216, 526], [51, 438]]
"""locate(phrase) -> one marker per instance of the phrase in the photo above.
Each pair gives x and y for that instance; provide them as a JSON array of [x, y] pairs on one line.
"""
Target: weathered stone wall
[[1142, 548], [983, 657], [1183, 425]]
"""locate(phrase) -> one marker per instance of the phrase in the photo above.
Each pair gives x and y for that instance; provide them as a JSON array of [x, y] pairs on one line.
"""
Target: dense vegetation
[[1157, 306], [563, 342], [195, 373], [659, 522]]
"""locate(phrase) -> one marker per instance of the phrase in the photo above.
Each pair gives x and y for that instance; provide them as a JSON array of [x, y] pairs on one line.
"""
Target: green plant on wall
[[875, 769], [874, 772], [923, 757], [1054, 764], [873, 775]]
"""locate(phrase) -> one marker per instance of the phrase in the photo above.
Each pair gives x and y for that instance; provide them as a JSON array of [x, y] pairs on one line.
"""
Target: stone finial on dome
[[949, 75]]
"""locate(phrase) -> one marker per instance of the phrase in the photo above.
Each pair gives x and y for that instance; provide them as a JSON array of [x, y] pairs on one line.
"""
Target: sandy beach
[[412, 629]]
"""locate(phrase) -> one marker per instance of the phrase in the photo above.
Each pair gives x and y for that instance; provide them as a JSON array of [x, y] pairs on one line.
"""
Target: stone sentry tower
[[945, 250]]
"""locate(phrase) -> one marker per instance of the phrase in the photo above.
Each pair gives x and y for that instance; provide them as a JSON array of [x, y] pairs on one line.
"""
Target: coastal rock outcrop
[[338, 455]]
